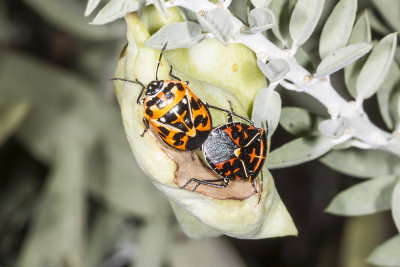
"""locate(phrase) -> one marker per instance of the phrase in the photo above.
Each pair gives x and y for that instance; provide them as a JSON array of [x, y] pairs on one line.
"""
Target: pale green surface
[[260, 3], [274, 70], [341, 58], [333, 128], [396, 205], [361, 34], [267, 110], [376, 23], [304, 19], [91, 6], [390, 11], [299, 151], [387, 254], [219, 23], [11, 116], [377, 66], [300, 122], [161, 7], [178, 35], [116, 9], [337, 29], [260, 19], [67, 15], [385, 92], [153, 20], [242, 219], [371, 196], [362, 163]]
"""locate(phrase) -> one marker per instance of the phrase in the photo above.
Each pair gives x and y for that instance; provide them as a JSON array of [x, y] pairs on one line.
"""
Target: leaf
[[218, 22], [341, 58], [279, 8], [368, 197], [337, 29], [267, 109], [387, 254], [396, 205], [161, 7], [178, 35], [304, 59], [394, 107], [275, 70], [304, 19], [11, 116], [91, 6], [333, 128], [116, 9], [60, 213], [385, 92], [299, 121], [299, 151], [260, 19], [390, 11], [67, 15], [361, 34], [376, 23], [377, 66], [261, 3], [363, 163], [240, 9], [188, 14]]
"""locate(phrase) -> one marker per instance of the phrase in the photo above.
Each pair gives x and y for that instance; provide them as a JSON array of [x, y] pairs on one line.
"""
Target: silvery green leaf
[[304, 59], [260, 19], [267, 109], [333, 128], [396, 205], [337, 29], [274, 70], [361, 34], [188, 14], [387, 254], [376, 23], [362, 163], [12, 114], [116, 9], [218, 22], [385, 91], [240, 9], [299, 121], [367, 197], [304, 19], [394, 107], [397, 55], [278, 7], [377, 66], [261, 3], [341, 58], [161, 7], [91, 6], [178, 35], [298, 151], [390, 11]]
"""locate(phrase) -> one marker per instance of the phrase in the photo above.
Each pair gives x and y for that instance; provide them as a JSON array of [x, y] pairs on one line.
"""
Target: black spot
[[149, 112], [200, 120], [194, 104], [164, 130], [180, 86]]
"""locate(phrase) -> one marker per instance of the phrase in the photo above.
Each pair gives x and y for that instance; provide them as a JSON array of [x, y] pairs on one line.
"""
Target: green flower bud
[[216, 74]]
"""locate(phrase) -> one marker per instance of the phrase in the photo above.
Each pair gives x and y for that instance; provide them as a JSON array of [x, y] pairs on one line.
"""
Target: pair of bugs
[[234, 151]]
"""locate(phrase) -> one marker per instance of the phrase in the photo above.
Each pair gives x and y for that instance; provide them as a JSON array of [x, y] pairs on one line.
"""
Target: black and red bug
[[180, 118], [235, 151]]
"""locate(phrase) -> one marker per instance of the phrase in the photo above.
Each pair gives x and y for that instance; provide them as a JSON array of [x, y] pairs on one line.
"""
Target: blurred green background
[[71, 193]]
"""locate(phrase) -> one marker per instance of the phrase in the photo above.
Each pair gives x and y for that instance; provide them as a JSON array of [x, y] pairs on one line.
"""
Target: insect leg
[[261, 187], [146, 126], [207, 182], [230, 113], [135, 82], [173, 76]]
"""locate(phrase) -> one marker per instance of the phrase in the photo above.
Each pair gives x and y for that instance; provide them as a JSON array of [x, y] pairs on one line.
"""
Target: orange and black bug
[[235, 151], [180, 118]]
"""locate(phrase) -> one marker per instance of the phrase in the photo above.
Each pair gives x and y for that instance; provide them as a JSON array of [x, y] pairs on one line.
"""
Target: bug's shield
[[208, 211]]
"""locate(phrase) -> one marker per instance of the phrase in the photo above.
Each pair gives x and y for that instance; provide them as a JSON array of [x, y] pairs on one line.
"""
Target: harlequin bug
[[180, 118], [235, 151]]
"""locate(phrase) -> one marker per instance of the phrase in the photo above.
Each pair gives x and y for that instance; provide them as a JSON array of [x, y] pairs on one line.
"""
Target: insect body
[[180, 118], [235, 151]]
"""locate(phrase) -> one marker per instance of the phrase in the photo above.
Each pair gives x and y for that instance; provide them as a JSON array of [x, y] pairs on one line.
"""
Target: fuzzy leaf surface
[[362, 163], [377, 66], [261, 3], [333, 128], [275, 70], [368, 197], [267, 110], [299, 151], [260, 19], [11, 116], [219, 23], [304, 19], [178, 35], [91, 6], [161, 7], [341, 58], [300, 122], [390, 11], [116, 9], [337, 29], [387, 254], [396, 205]]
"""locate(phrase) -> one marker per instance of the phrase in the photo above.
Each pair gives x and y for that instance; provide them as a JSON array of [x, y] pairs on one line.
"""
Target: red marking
[[252, 155], [245, 134], [220, 165], [237, 177], [240, 128], [228, 173], [236, 170], [250, 127]]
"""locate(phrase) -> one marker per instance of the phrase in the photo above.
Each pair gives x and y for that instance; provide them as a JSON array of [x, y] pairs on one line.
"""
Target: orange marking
[[236, 170], [228, 173], [237, 177], [252, 155], [237, 152], [229, 132], [245, 135], [220, 165], [240, 128]]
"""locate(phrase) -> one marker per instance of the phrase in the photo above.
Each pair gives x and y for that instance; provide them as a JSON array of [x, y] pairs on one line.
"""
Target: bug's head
[[154, 87]]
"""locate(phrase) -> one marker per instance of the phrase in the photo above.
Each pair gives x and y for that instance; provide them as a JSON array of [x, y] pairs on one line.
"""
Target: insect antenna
[[135, 82], [159, 59]]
